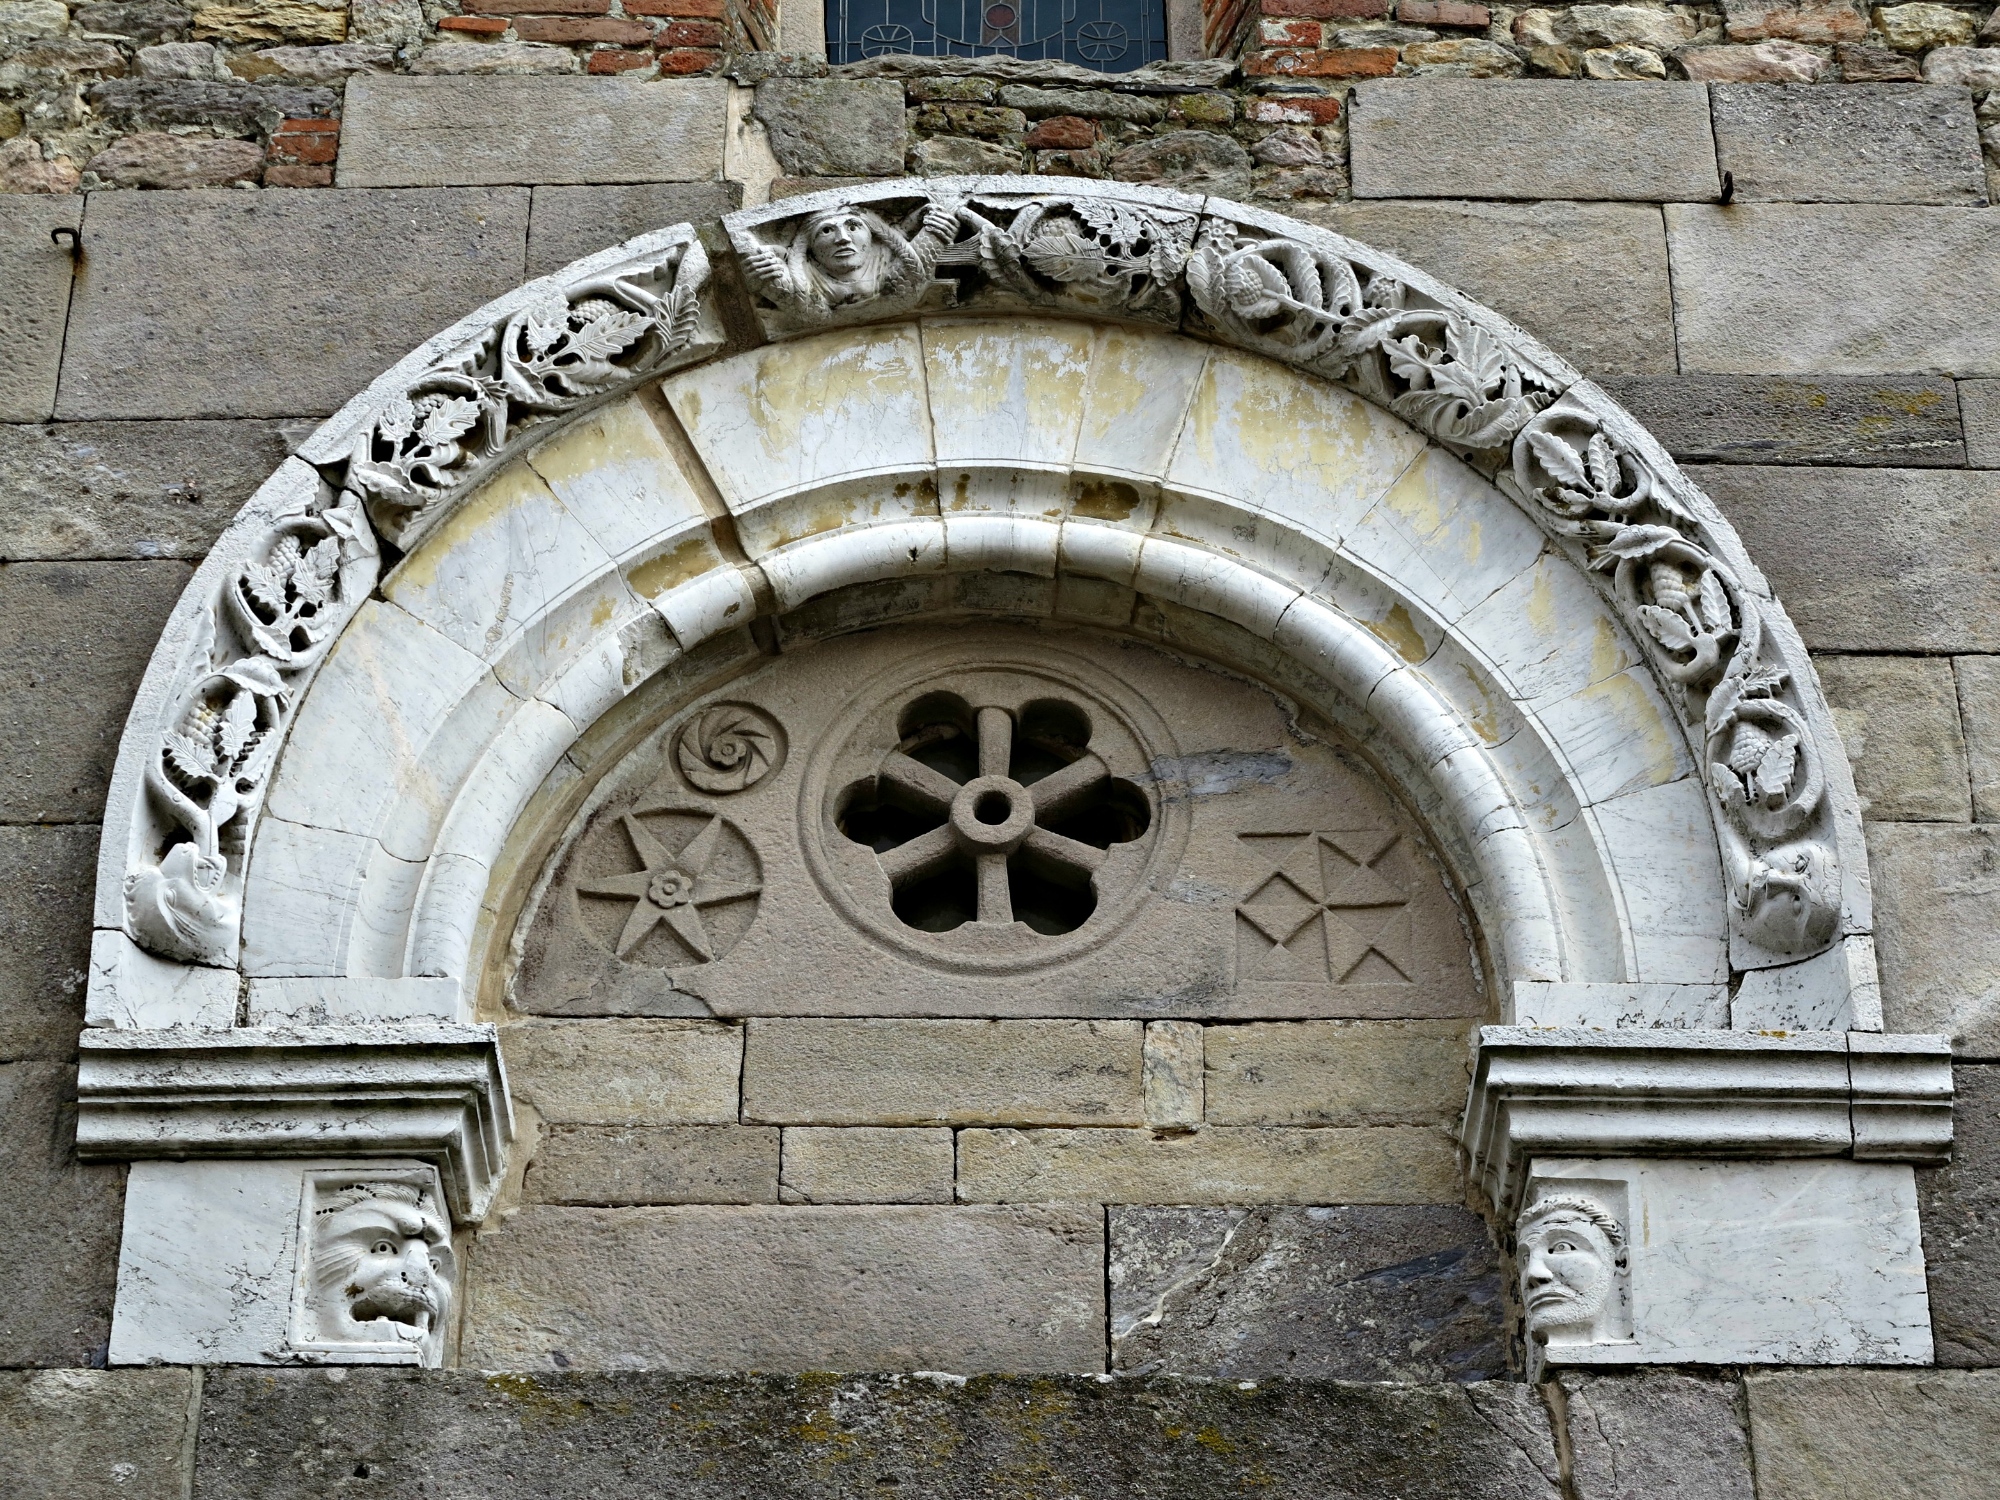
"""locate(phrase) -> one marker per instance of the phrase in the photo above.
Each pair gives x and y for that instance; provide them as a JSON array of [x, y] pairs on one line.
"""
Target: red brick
[[1294, 111], [612, 60], [1344, 62], [689, 60], [692, 34], [1062, 133], [570, 29], [1288, 33], [699, 9], [305, 150], [308, 126], [539, 7], [1442, 13], [286, 175], [1329, 10], [478, 25]]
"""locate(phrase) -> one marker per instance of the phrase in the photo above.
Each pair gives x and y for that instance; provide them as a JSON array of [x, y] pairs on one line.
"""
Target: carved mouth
[[399, 1302]]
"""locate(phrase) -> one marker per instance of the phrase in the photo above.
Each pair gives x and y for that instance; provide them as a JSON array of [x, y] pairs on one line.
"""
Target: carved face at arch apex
[[991, 819]]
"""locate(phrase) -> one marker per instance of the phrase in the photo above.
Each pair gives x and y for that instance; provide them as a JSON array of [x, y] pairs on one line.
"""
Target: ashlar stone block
[[45, 879], [295, 299], [912, 1072], [1588, 278], [1898, 719], [443, 131], [1937, 930], [568, 222], [1979, 406], [626, 1164], [823, 127], [866, 1164], [1337, 1072], [1874, 1434], [1892, 289], [668, 1072], [1960, 1206], [792, 1288], [1532, 138], [1873, 559], [35, 275], [1656, 1435], [1979, 711], [1854, 421], [80, 1434], [1862, 143]]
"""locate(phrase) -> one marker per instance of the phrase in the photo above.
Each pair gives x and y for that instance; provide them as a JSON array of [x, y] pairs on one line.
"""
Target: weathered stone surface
[[946, 156], [1589, 278], [1866, 64], [34, 301], [60, 1230], [75, 638], [46, 876], [429, 132], [1090, 104], [1174, 1089], [822, 127], [1865, 143], [1979, 404], [23, 168], [135, 20], [317, 64], [84, 1434], [295, 300], [180, 60], [1819, 21], [1240, 1164], [863, 1164], [1336, 1072], [1894, 289], [1963, 67], [1757, 63], [1920, 26], [567, 223], [27, 20], [493, 60], [154, 159], [458, 1435], [1463, 57], [1656, 1435], [785, 1289], [1937, 930], [128, 489], [1873, 559], [1854, 421], [1898, 719], [626, 1072], [618, 1164], [811, 1072], [229, 108], [1195, 161], [1336, 1293], [272, 20], [1874, 1434], [1533, 138], [1960, 1208], [1979, 711]]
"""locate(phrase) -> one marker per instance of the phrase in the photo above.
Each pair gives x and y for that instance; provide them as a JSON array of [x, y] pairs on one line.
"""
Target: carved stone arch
[[1341, 475]]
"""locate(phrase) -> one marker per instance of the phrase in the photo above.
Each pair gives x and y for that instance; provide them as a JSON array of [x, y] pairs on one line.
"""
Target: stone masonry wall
[[1823, 351]]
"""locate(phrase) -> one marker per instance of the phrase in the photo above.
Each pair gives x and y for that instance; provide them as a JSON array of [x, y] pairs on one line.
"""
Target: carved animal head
[[381, 1253]]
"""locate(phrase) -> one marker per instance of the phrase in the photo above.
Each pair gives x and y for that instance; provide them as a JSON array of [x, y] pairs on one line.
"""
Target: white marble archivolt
[[376, 1270]]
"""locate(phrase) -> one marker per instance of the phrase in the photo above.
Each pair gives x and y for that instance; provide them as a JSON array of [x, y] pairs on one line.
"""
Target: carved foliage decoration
[[541, 361], [276, 613], [1705, 632]]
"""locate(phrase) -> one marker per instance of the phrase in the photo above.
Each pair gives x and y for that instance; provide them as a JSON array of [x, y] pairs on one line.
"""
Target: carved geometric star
[[671, 888]]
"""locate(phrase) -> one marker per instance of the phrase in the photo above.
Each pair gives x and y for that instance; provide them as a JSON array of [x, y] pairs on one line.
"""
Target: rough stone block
[[1656, 1435], [1979, 405], [1336, 1073], [620, 1164], [34, 301], [435, 132], [824, 127], [75, 638], [1855, 421], [231, 107], [1889, 290], [1817, 21], [155, 159], [864, 1164], [1864, 143], [1979, 711], [140, 21], [810, 1072], [634, 1435], [294, 300], [1960, 1205], [128, 489], [1532, 138], [1937, 930], [1873, 559], [1898, 718], [785, 1289], [568, 223], [625, 1072], [1243, 1164], [1588, 278], [60, 1230], [86, 1434], [1874, 1434], [1335, 1293], [46, 877]]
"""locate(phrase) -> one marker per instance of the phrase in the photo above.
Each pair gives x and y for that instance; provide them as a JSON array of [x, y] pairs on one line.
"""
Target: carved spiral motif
[[729, 748]]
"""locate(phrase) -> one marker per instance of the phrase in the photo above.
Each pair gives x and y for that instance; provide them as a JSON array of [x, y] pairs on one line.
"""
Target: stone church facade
[[1268, 774]]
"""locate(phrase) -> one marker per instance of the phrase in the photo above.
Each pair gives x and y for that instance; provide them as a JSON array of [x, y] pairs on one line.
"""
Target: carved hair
[[1574, 1205], [369, 1192]]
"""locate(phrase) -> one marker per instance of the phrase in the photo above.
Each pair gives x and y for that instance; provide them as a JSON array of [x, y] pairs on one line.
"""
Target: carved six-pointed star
[[670, 888]]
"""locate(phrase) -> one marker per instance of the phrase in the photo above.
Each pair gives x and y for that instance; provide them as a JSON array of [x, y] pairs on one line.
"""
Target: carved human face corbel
[[1570, 1251]]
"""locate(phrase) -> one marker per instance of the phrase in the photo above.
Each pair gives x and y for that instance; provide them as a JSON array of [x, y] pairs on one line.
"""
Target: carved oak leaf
[[1666, 627], [1634, 542], [610, 332], [235, 728], [447, 419], [397, 419], [258, 675], [192, 758], [1061, 254]]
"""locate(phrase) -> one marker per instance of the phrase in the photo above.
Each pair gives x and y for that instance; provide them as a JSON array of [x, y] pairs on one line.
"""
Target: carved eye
[[437, 1265], [1563, 1246], [382, 1247]]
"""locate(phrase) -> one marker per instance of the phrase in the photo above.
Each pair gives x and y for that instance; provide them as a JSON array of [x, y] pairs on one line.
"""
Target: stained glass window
[[1110, 36]]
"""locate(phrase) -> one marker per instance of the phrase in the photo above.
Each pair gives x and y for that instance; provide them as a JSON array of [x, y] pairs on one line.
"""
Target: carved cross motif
[[1328, 913]]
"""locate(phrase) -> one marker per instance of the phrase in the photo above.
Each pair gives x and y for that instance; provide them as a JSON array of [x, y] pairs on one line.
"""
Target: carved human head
[[381, 1264], [1791, 898], [1570, 1250], [839, 240]]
